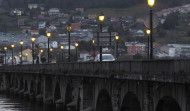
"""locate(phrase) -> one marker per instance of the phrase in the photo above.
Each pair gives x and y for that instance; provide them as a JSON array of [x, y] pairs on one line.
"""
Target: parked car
[[105, 57]]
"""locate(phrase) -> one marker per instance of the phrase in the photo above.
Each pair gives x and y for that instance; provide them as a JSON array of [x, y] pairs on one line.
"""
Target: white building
[[31, 6], [54, 11], [54, 44], [41, 25]]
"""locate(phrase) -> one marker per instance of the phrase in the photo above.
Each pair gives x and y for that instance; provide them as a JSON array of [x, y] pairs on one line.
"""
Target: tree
[[171, 21]]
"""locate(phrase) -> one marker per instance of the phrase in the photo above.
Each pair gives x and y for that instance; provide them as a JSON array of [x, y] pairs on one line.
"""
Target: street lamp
[[93, 41], [76, 45], [69, 30], [48, 35], [51, 49], [5, 48], [101, 19], [33, 39], [117, 38], [41, 51], [62, 47], [15, 59], [148, 33], [21, 43], [12, 46], [26, 56], [151, 4]]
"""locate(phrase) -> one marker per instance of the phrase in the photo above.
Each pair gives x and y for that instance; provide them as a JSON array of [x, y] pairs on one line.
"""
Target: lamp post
[[93, 41], [5, 48], [15, 59], [76, 45], [148, 52], [69, 30], [62, 47], [51, 53], [12, 46], [48, 35], [21, 43], [151, 4], [117, 38], [101, 19], [26, 56], [33, 39]]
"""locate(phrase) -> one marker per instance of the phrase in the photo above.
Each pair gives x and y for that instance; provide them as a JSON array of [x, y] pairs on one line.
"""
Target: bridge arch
[[48, 86], [68, 96], [16, 83], [104, 101], [39, 87], [57, 93], [168, 103], [130, 103], [21, 85], [25, 86], [32, 87]]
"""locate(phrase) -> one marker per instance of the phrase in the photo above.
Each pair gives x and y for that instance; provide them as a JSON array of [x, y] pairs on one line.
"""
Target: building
[[135, 48], [79, 10], [41, 25], [54, 11], [32, 6], [34, 32]]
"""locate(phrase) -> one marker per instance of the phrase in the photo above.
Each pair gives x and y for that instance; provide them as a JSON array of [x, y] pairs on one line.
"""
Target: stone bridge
[[144, 85]]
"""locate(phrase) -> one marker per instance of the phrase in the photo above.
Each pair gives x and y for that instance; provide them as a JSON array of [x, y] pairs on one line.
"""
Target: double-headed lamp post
[[12, 46], [21, 43], [5, 48], [148, 51], [33, 39], [151, 4], [76, 45], [101, 19], [116, 38], [62, 47], [69, 30], [48, 35]]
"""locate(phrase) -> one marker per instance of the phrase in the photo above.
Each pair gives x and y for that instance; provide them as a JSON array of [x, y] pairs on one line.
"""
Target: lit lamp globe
[[148, 32], [21, 42], [76, 44], [48, 34], [51, 49], [101, 17], [151, 3], [93, 41], [33, 39], [117, 37], [41, 51], [12, 45], [62, 47], [69, 28], [5, 48]]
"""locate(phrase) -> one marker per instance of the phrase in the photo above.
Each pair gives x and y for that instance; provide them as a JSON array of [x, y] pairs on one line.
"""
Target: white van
[[105, 57]]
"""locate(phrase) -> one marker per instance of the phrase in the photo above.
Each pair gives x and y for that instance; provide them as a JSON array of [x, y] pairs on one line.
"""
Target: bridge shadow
[[104, 101], [168, 103], [130, 103]]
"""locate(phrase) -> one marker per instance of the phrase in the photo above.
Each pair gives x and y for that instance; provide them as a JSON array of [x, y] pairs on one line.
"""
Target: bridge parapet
[[156, 70]]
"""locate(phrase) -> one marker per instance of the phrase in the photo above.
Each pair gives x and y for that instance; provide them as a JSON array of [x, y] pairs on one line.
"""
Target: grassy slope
[[138, 10]]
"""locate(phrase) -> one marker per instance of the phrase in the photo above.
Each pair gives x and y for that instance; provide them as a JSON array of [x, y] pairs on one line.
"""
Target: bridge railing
[[128, 67]]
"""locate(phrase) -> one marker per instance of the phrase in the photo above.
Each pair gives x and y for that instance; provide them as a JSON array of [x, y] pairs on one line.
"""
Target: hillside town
[[84, 28]]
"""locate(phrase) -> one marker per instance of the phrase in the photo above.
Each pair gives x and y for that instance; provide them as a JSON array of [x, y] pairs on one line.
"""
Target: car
[[105, 57]]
